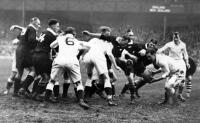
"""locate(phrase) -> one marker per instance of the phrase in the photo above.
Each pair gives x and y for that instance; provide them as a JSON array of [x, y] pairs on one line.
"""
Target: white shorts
[[174, 80], [73, 70], [182, 66], [99, 64], [14, 68]]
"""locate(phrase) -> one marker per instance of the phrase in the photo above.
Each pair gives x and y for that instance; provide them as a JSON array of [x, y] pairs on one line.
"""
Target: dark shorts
[[42, 63], [124, 67], [139, 68], [192, 68], [23, 57]]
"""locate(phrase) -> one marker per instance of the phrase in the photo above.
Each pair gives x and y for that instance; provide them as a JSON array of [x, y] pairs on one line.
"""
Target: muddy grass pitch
[[144, 110]]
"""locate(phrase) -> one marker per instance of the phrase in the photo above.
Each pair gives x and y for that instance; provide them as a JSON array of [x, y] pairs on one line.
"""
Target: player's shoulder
[[169, 43], [182, 43]]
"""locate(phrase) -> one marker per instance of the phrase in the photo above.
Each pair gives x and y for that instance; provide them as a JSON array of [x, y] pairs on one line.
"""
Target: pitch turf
[[144, 109]]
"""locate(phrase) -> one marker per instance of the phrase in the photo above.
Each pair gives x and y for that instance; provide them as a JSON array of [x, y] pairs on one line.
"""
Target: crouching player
[[66, 61], [172, 72]]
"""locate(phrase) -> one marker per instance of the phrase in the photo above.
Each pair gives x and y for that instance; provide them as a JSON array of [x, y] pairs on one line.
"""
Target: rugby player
[[41, 57], [66, 61], [11, 79], [24, 55], [173, 72], [177, 50], [119, 45]]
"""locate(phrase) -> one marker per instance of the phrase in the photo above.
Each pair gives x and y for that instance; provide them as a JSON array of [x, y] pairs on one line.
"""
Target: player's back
[[98, 48], [68, 49], [169, 61]]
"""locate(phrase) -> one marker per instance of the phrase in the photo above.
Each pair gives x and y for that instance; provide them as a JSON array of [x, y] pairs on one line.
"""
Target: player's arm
[[94, 35], [16, 27], [108, 38], [162, 49], [164, 67], [185, 56], [127, 55], [54, 44], [32, 38], [112, 58]]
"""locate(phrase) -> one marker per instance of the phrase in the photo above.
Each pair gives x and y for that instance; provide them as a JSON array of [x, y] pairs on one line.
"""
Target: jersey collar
[[31, 25], [53, 32]]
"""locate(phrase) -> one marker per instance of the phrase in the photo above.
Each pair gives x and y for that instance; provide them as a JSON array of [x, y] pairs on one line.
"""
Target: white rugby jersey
[[167, 64], [98, 49], [177, 52], [69, 47]]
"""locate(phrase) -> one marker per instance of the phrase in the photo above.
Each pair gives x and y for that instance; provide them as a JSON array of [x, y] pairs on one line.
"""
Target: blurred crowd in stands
[[189, 34]]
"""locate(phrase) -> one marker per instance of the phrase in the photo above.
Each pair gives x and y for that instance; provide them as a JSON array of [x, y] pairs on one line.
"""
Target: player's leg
[[188, 85], [146, 77], [27, 82], [129, 76], [88, 84], [66, 85], [75, 76], [113, 78], [101, 67], [170, 90], [56, 72], [182, 67]]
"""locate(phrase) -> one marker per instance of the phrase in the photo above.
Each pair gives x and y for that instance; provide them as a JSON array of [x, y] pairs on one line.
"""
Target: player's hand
[[142, 52], [85, 32], [12, 27], [187, 65], [118, 68]]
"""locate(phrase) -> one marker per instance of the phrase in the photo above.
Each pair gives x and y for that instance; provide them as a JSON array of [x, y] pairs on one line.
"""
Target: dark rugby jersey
[[46, 38], [29, 38], [134, 49], [117, 48]]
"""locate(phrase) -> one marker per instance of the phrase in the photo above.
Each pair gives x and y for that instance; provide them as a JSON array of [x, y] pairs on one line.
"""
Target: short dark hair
[[104, 28], [151, 51], [52, 22], [70, 30], [154, 41]]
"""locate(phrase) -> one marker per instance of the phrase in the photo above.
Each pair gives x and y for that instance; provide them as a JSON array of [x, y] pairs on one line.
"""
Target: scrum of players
[[56, 55]]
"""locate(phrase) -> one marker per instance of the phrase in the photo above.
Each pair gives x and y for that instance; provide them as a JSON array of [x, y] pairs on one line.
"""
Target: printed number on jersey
[[69, 41]]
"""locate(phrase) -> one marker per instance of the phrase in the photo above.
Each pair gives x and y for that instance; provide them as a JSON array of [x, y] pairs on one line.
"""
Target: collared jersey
[[167, 64], [69, 47], [46, 38], [177, 52]]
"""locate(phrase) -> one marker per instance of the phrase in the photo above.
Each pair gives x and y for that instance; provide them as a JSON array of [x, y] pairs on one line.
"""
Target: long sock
[[65, 88], [17, 85], [56, 90], [108, 92], [189, 88], [87, 91], [76, 93], [125, 88], [9, 85], [35, 85], [80, 94], [48, 94], [132, 90], [93, 88], [27, 82], [113, 89]]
